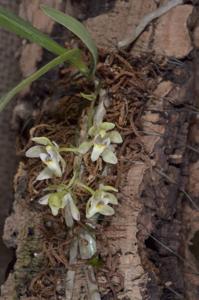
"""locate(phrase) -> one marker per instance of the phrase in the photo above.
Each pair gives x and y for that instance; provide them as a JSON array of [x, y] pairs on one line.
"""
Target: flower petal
[[34, 151], [74, 210], [109, 157], [90, 208], [102, 133], [107, 188], [97, 151], [66, 199], [52, 165], [55, 144], [106, 141], [115, 137], [106, 126], [55, 203], [84, 147], [55, 168], [45, 174], [44, 157], [42, 140], [110, 198], [67, 215], [63, 164], [53, 152], [55, 200], [105, 210], [44, 200], [54, 210]]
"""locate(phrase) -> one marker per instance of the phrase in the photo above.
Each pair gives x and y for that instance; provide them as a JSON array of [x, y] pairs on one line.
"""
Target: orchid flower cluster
[[62, 196]]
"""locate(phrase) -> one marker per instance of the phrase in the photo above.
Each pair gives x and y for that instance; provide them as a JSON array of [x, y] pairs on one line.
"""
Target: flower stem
[[91, 109]]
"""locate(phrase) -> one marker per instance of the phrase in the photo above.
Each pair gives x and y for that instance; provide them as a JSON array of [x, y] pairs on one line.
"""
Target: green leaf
[[71, 55], [25, 30], [96, 262], [75, 27]]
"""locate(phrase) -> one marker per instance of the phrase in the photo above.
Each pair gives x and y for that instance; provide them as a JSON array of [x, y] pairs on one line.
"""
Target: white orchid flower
[[49, 154], [103, 136], [59, 200], [100, 200]]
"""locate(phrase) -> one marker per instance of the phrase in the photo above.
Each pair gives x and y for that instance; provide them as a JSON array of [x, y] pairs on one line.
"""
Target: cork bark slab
[[151, 217]]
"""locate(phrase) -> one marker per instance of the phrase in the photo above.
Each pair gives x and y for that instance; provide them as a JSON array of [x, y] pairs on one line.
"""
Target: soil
[[149, 249]]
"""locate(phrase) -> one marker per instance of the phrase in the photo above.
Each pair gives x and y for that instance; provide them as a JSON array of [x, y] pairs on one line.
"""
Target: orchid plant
[[100, 142], [61, 196]]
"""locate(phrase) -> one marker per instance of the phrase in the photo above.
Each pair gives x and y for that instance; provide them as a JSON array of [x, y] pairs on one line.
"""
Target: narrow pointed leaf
[[75, 27], [71, 55], [25, 30]]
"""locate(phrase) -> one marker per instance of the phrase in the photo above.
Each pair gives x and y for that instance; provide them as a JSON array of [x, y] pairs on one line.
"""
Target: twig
[[147, 20]]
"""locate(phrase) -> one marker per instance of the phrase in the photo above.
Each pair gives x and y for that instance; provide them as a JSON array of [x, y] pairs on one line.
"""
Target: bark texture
[[146, 233]]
